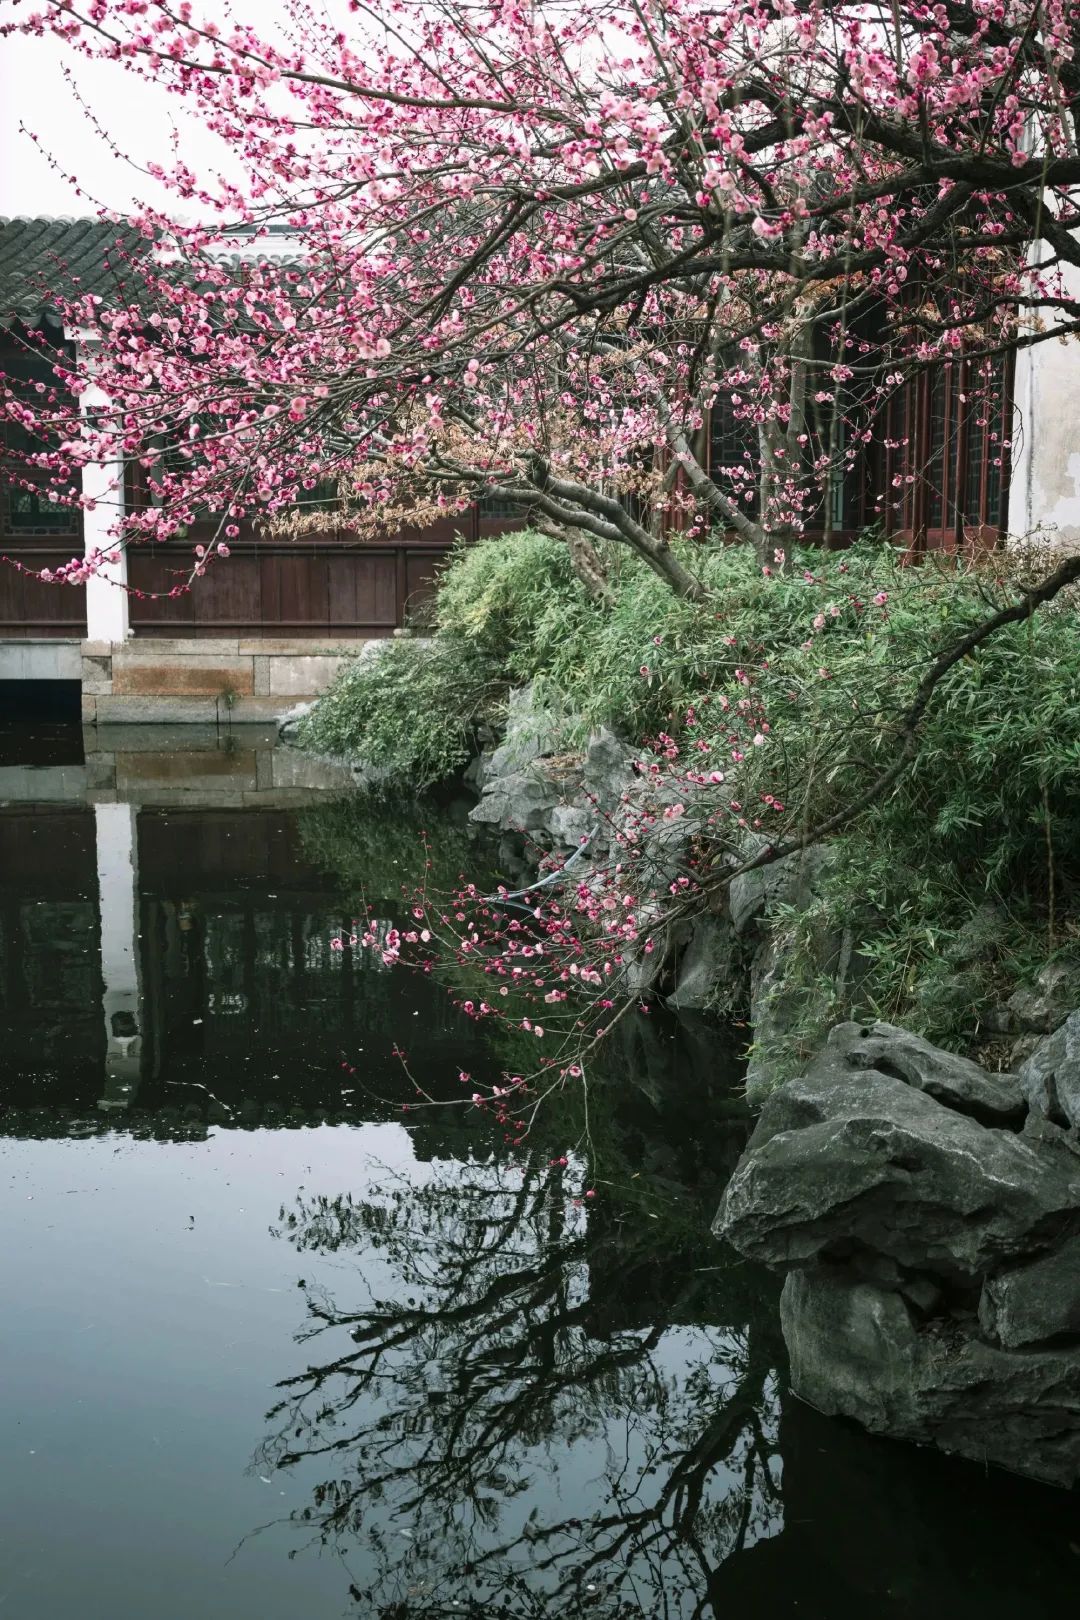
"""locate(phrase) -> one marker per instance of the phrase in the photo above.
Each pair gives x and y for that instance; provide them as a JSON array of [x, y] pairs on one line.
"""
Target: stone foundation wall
[[221, 681]]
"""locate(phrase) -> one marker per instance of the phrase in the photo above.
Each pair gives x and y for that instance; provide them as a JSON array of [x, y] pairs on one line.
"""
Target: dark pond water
[[271, 1350]]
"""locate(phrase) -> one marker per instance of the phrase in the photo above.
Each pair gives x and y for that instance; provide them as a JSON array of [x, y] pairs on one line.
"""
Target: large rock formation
[[928, 1215]]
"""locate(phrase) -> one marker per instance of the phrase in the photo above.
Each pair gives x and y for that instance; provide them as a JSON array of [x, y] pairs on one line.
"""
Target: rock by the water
[[708, 962], [857, 1352], [1032, 1303], [865, 1158], [609, 767], [931, 1234], [573, 824], [522, 801], [996, 1099], [1050, 1078], [532, 732], [789, 881], [1041, 1008]]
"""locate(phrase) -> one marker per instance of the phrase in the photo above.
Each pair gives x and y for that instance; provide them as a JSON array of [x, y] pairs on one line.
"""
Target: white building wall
[[1044, 493], [103, 485]]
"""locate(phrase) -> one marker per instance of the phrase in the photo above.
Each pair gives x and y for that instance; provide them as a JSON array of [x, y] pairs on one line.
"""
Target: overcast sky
[[33, 92], [140, 118]]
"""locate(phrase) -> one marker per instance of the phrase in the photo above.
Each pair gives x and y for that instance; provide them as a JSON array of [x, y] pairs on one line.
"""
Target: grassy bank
[[961, 881]]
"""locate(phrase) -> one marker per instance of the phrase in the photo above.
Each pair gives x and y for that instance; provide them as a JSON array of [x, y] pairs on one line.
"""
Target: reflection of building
[[173, 961]]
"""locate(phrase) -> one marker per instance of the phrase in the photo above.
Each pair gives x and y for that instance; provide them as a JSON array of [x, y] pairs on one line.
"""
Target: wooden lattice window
[[28, 507], [947, 460]]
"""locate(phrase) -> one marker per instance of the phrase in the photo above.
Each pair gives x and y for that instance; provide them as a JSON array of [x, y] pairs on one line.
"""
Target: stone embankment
[[927, 1216], [548, 799]]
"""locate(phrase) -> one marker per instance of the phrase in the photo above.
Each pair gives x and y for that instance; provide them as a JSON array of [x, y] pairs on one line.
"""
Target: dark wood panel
[[230, 592], [363, 589], [30, 607], [348, 589], [154, 571], [420, 574]]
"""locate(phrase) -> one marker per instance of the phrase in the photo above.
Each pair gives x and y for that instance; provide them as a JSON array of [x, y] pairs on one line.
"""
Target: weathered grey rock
[[977, 937], [855, 1351], [1029, 1304], [289, 724], [708, 965], [1056, 1140], [1021, 1050], [368, 778], [478, 770], [571, 824], [645, 968], [532, 732], [1050, 1079], [867, 1159], [774, 1010], [609, 767], [956, 1081], [790, 881], [522, 801], [1043, 1007]]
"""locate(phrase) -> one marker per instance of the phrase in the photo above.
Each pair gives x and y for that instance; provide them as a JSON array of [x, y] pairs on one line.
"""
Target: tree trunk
[[590, 570]]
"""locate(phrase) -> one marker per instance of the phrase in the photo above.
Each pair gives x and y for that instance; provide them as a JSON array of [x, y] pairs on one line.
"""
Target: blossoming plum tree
[[532, 244], [523, 250]]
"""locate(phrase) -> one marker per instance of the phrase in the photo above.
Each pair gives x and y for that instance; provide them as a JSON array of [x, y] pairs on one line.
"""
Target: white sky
[[139, 117], [33, 92]]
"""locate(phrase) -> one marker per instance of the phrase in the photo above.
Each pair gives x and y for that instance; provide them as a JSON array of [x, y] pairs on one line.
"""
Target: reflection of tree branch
[[461, 1391]]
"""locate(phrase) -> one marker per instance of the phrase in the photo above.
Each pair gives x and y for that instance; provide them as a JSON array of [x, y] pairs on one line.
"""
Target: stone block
[[136, 710], [89, 709], [329, 646], [13, 661], [264, 770], [253, 711], [96, 686], [161, 738], [155, 647], [180, 677], [260, 670], [302, 676], [40, 660]]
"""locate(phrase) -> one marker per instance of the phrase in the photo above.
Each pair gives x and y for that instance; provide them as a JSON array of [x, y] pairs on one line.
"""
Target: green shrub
[[412, 709], [989, 810]]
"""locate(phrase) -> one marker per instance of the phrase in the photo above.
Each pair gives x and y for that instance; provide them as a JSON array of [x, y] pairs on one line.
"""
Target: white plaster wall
[[1044, 494], [103, 489]]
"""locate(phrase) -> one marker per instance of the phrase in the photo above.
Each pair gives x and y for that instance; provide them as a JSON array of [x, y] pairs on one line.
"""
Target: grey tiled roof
[[42, 257]]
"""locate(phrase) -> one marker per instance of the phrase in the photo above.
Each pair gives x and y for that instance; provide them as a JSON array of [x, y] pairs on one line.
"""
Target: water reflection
[[242, 1289], [537, 1409], [165, 935]]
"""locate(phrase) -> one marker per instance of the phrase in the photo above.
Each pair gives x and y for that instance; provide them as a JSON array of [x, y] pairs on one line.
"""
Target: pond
[[271, 1348]]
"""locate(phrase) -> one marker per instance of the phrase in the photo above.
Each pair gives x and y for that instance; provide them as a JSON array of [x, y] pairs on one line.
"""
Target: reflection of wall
[[118, 892], [50, 980], [202, 985]]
